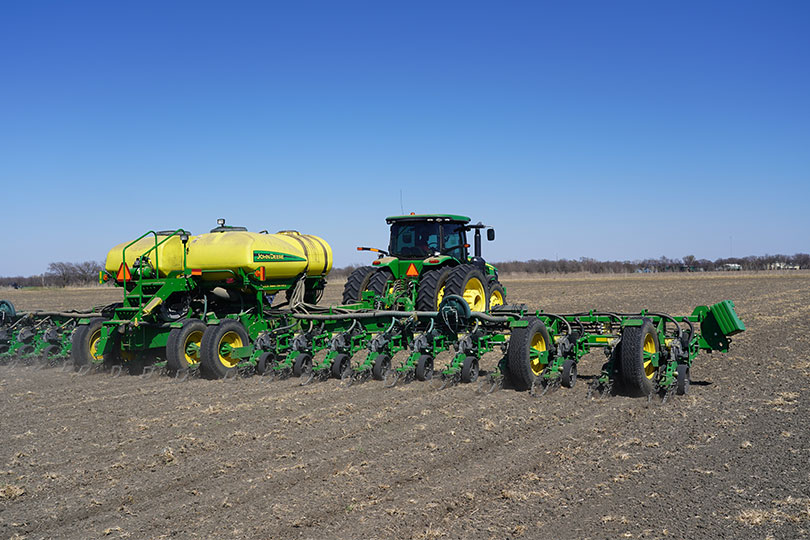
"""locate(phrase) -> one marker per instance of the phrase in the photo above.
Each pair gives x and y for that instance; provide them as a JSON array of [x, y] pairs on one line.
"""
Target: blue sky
[[612, 130]]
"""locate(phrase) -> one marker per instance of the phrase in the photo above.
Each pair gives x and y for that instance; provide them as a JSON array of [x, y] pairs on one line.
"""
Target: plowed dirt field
[[96, 456]]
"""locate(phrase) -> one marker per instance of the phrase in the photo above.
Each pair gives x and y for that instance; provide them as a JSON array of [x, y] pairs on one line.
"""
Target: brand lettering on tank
[[274, 256]]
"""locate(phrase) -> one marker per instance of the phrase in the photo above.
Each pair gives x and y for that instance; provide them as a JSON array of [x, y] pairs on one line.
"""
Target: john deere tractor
[[428, 258]]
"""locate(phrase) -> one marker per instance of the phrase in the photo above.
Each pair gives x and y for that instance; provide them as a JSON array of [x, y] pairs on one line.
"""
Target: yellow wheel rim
[[94, 339], [539, 345], [649, 349], [234, 340], [474, 295], [496, 299], [439, 297], [195, 338]]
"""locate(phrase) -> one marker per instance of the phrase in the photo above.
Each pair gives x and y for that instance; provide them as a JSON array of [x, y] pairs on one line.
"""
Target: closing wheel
[[217, 349], [468, 282], [497, 294], [84, 344], [340, 363], [50, 353], [381, 364], [424, 368], [683, 379], [431, 288], [639, 358], [469, 370], [302, 364], [569, 373], [265, 362], [528, 353], [356, 283], [183, 345]]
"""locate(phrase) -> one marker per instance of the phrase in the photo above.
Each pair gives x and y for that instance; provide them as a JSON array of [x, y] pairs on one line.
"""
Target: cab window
[[414, 240]]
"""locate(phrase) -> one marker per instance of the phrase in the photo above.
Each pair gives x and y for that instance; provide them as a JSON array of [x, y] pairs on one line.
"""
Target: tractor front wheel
[[497, 294], [469, 282], [431, 288]]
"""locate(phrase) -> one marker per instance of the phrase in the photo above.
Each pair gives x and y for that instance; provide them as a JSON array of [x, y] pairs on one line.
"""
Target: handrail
[[144, 254]]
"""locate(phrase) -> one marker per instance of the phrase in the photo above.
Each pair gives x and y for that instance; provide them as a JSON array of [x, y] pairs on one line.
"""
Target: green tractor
[[427, 259]]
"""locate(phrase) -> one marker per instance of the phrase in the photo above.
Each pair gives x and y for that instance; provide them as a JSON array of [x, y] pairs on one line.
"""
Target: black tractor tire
[[378, 281], [212, 363], [468, 282], [521, 372], [430, 286], [340, 363], [638, 378], [469, 370], [497, 294], [424, 368], [356, 283], [179, 338], [83, 341], [381, 364], [302, 364], [568, 378], [683, 380]]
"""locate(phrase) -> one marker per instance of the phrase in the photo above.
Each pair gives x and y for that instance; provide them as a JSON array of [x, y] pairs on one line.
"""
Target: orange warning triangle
[[412, 271], [123, 273]]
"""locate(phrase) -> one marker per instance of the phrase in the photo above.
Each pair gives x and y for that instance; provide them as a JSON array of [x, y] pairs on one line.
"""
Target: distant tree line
[[63, 274], [59, 274], [688, 263]]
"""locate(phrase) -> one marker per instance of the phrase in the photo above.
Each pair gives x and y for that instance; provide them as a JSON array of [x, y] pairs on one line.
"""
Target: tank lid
[[168, 232], [228, 228]]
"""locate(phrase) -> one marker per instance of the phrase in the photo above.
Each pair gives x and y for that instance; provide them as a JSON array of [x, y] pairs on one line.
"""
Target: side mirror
[[490, 234]]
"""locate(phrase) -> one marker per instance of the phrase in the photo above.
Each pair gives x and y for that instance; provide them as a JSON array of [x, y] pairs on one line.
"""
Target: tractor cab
[[420, 237]]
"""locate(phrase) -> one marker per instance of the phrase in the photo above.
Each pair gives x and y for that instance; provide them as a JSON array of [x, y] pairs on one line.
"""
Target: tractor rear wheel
[[639, 355], [528, 353], [377, 282], [356, 284], [431, 288], [468, 282], [217, 358], [84, 343], [179, 355]]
